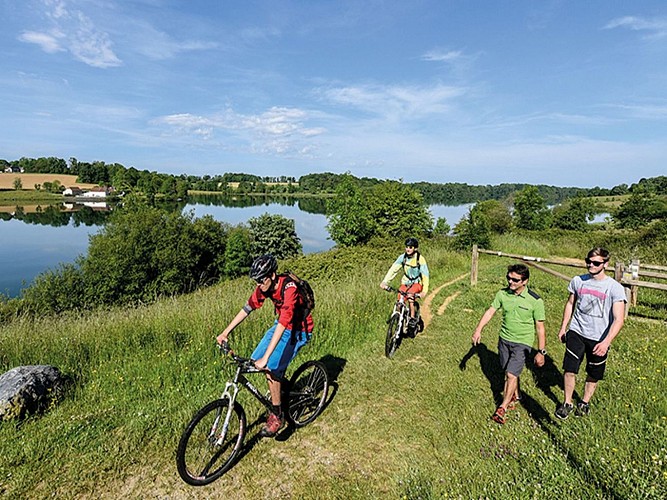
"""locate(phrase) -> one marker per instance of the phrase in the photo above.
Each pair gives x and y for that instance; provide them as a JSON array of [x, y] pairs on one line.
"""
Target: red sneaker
[[499, 415], [272, 425], [513, 402]]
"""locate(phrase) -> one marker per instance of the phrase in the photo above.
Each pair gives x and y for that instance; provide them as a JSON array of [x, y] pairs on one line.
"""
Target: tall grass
[[414, 427]]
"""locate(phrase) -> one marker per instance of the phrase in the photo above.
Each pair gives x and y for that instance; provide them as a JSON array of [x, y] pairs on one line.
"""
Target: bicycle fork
[[231, 390]]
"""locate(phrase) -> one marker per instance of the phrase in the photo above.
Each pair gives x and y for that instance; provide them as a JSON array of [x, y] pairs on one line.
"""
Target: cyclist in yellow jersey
[[415, 275]]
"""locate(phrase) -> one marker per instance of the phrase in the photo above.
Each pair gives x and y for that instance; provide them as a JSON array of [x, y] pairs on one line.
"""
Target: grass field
[[416, 426]]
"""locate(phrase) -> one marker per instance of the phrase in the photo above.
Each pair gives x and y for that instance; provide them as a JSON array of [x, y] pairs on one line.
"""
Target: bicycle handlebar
[[248, 364]]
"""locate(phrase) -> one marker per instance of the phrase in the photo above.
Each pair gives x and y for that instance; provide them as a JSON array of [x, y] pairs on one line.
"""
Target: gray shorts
[[512, 356]]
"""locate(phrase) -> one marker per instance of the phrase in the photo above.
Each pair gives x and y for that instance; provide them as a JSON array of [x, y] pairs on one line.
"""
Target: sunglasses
[[261, 280], [514, 280], [590, 262]]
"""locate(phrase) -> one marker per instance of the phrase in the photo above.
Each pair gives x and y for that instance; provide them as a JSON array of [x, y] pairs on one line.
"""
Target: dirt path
[[426, 306]]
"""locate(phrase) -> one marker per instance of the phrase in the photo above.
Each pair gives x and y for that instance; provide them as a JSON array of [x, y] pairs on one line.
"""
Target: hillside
[[416, 426]]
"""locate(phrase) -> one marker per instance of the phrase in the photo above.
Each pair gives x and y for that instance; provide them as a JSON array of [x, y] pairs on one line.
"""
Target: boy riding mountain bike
[[415, 277], [282, 341]]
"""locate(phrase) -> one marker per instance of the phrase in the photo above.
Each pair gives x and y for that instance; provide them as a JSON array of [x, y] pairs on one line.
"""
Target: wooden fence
[[629, 276]]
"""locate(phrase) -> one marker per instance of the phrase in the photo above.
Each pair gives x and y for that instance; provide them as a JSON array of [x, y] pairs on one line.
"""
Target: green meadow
[[416, 426]]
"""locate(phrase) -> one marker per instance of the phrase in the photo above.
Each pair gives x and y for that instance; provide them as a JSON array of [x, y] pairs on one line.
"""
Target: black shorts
[[575, 348]]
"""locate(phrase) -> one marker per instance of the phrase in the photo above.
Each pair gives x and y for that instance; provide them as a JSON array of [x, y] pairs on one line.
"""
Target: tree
[[441, 227], [530, 209], [399, 210], [497, 214], [237, 256], [18, 184], [274, 234], [143, 253], [472, 229], [350, 221], [641, 208], [574, 214]]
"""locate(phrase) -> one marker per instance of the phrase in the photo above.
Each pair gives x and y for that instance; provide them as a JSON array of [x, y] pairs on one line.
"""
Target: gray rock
[[29, 389]]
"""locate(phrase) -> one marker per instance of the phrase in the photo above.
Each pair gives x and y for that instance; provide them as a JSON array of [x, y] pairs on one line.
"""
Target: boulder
[[25, 390]]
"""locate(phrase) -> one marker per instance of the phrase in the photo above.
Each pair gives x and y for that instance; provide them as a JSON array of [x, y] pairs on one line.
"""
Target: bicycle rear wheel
[[205, 451], [393, 339], [308, 391]]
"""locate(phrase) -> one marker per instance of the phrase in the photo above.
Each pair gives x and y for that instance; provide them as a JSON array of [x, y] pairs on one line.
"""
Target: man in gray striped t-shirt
[[596, 308]]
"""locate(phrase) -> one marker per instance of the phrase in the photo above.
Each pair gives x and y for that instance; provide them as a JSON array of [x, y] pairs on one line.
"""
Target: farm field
[[29, 180]]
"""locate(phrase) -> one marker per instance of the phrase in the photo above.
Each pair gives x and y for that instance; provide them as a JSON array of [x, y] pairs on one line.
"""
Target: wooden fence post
[[474, 265], [634, 290], [618, 271]]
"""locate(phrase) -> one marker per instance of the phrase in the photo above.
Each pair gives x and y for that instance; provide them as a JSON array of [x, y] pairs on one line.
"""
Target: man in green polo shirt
[[523, 315]]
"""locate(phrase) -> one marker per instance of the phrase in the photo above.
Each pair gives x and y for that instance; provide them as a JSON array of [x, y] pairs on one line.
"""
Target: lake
[[38, 242]]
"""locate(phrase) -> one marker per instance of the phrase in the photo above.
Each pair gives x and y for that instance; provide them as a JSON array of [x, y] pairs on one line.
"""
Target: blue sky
[[569, 93]]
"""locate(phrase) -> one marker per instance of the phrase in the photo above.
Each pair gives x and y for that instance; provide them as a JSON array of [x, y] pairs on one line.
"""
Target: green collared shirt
[[520, 312]]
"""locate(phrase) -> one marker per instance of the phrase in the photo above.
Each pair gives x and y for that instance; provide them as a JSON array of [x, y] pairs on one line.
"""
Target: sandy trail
[[426, 313]]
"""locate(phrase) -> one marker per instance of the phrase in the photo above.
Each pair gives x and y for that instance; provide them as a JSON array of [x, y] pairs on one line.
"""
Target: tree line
[[151, 184]]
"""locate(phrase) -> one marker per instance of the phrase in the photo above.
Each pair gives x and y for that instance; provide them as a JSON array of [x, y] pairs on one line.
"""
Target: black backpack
[[304, 289]]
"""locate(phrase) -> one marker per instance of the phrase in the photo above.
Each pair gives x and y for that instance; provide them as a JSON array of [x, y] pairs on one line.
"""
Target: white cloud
[[74, 32], [159, 45], [397, 102], [646, 111], [442, 56], [278, 130], [49, 43], [656, 27]]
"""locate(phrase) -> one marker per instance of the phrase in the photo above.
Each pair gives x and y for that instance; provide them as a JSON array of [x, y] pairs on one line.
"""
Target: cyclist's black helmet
[[411, 242], [263, 266]]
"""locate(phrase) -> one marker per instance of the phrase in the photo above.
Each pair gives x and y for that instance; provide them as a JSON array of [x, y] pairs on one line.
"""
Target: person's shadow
[[547, 377], [490, 365]]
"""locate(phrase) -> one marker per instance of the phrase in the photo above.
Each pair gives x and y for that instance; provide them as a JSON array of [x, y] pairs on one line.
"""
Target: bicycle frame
[[232, 390], [402, 310]]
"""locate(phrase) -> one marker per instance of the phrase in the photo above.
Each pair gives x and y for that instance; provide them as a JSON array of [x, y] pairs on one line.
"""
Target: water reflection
[[60, 215], [309, 205]]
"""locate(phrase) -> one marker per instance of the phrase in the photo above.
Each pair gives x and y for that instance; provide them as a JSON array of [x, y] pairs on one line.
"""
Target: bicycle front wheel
[[393, 336], [206, 449], [309, 388]]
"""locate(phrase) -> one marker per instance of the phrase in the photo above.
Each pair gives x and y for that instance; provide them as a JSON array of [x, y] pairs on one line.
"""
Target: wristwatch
[[543, 352]]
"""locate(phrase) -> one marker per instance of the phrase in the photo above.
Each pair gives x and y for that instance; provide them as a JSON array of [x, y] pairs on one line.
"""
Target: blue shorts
[[287, 348]]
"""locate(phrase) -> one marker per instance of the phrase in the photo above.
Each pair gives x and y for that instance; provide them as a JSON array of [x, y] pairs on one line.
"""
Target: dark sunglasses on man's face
[[590, 262], [513, 280]]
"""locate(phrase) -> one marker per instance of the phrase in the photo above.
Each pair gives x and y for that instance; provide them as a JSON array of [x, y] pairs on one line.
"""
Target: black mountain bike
[[214, 437], [398, 323]]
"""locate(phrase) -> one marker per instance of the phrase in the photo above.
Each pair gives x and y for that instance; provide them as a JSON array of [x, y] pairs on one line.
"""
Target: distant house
[[73, 191], [97, 192], [11, 170]]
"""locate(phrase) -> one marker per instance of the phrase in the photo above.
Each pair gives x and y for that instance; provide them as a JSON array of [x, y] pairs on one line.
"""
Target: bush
[[389, 209], [237, 257], [350, 221], [274, 234]]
